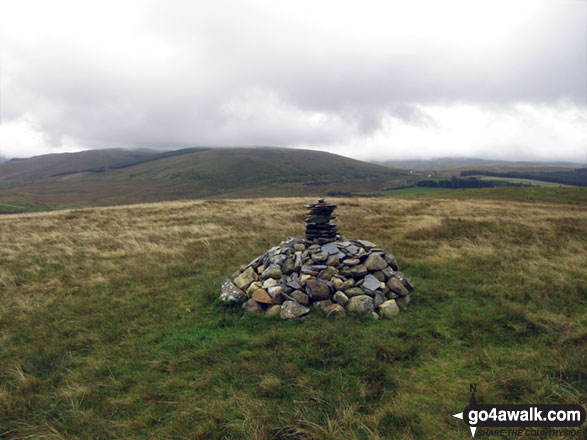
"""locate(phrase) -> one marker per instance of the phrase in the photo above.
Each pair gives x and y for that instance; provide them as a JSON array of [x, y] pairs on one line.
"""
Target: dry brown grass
[[91, 300]]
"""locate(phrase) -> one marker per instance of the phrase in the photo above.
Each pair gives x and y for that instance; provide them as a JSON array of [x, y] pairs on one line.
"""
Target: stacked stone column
[[318, 227]]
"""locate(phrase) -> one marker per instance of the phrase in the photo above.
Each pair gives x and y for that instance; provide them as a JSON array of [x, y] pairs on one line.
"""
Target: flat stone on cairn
[[321, 271]]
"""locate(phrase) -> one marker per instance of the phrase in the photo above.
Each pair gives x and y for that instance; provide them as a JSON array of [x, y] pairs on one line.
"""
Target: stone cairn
[[323, 271], [318, 226]]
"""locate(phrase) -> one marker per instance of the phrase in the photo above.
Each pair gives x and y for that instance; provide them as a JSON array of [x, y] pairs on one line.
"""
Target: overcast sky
[[371, 80]]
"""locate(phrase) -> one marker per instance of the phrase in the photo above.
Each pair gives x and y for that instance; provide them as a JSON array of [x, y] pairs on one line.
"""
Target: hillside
[[104, 177], [42, 167], [111, 326]]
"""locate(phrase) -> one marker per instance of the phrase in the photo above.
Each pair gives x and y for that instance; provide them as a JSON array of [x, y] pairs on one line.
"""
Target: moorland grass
[[110, 325]]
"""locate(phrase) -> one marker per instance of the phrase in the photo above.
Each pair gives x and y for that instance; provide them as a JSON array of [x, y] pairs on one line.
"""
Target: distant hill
[[460, 162], [40, 167], [104, 177]]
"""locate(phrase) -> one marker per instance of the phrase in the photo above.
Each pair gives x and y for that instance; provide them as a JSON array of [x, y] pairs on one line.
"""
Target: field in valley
[[110, 325]]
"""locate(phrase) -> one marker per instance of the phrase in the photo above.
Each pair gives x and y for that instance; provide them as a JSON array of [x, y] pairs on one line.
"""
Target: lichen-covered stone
[[334, 310], [230, 293], [261, 296], [317, 291], [397, 286], [360, 304], [354, 291], [292, 310], [340, 298], [273, 271], [244, 280], [388, 309], [300, 297], [375, 262]]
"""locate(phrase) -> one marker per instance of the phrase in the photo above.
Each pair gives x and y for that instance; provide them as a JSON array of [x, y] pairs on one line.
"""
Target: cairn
[[323, 271], [318, 227]]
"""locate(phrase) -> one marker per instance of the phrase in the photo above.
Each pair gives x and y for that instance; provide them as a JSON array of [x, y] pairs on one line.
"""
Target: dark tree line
[[471, 182]]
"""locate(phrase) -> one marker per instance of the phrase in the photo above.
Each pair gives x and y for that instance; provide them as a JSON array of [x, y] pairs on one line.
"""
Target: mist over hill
[[459, 162]]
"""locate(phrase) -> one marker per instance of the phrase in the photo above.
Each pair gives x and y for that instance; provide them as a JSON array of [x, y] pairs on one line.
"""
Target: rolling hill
[[108, 177]]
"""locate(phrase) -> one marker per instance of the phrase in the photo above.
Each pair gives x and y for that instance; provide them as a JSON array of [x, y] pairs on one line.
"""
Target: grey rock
[[230, 293], [340, 298], [273, 271], [288, 266], [397, 286], [277, 259], [371, 283], [378, 299], [269, 282], [352, 250], [261, 296], [359, 270], [244, 280], [354, 291], [343, 243], [360, 304], [388, 272], [327, 273], [275, 290], [331, 248], [256, 262], [309, 271], [294, 284], [299, 247], [321, 304], [273, 310], [351, 261], [389, 309], [320, 256], [400, 276], [390, 259], [337, 283], [252, 306], [334, 310], [379, 275], [403, 301], [367, 244], [298, 261], [254, 286], [300, 297], [317, 290], [292, 310], [375, 262]]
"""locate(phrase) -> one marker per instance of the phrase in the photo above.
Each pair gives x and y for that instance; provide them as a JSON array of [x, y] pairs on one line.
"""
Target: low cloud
[[416, 79]]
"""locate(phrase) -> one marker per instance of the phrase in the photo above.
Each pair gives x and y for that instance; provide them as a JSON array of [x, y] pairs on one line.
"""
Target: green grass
[[525, 181], [110, 325], [563, 195], [411, 191]]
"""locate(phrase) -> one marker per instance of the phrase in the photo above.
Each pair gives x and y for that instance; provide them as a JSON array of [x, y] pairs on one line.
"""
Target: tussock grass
[[110, 327]]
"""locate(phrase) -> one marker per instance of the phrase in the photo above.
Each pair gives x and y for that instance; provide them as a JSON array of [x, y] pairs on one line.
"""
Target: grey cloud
[[220, 54]]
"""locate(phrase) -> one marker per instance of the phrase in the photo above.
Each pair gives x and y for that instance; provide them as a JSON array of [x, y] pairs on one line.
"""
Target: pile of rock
[[336, 277]]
